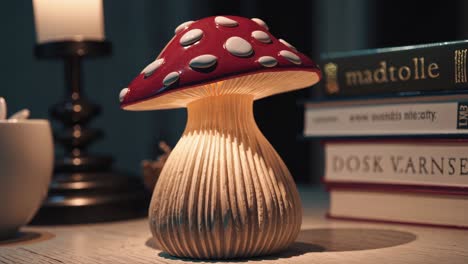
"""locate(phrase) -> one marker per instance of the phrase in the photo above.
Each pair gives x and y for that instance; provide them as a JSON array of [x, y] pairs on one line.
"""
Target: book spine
[[425, 164], [396, 207], [427, 118], [437, 68]]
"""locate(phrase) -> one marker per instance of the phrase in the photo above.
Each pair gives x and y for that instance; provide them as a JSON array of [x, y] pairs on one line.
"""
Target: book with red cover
[[406, 204], [399, 181]]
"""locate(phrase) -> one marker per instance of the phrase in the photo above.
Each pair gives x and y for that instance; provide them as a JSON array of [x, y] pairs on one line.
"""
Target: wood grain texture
[[320, 241], [224, 192]]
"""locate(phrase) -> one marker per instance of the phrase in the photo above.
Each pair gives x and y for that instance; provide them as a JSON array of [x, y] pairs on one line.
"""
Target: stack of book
[[394, 126]]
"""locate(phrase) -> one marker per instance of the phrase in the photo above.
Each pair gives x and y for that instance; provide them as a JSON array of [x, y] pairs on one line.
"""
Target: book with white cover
[[387, 119], [410, 162]]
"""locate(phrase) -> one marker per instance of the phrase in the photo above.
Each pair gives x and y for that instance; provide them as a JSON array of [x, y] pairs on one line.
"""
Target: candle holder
[[84, 187]]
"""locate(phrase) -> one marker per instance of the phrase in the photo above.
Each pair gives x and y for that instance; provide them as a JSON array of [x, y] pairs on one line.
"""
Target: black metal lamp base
[[84, 187], [76, 198]]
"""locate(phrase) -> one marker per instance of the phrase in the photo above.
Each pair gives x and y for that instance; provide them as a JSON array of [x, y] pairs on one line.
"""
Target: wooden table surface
[[321, 241]]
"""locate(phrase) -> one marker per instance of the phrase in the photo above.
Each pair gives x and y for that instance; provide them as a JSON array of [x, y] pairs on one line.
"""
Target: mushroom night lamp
[[224, 192]]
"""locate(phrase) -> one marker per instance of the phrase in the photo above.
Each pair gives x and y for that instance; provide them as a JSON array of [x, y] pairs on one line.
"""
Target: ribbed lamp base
[[224, 192]]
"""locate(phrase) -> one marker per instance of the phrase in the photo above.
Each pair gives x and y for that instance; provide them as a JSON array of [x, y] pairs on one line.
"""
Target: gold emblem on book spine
[[460, 66], [331, 70]]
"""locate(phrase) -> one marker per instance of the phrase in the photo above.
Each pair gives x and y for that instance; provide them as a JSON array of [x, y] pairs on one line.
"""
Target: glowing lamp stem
[[224, 192]]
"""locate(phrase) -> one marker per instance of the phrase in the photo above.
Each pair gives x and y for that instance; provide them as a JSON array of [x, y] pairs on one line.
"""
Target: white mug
[[26, 164]]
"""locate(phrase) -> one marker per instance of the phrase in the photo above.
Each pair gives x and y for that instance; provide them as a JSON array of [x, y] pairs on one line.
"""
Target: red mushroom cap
[[219, 55]]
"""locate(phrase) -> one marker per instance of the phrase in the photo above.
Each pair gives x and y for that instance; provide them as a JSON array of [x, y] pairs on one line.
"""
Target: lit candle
[[65, 20]]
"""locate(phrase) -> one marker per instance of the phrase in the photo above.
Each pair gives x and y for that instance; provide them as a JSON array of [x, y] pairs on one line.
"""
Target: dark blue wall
[[137, 35]]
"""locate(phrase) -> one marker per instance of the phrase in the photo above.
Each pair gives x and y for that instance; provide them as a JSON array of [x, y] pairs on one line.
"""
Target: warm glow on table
[[320, 241]]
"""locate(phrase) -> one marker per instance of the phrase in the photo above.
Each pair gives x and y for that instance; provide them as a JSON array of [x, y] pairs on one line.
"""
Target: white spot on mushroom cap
[[182, 26], [171, 78], [287, 44], [238, 46], [122, 94], [261, 36], [152, 67], [290, 56], [267, 61], [191, 37], [225, 22], [203, 61], [260, 22]]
